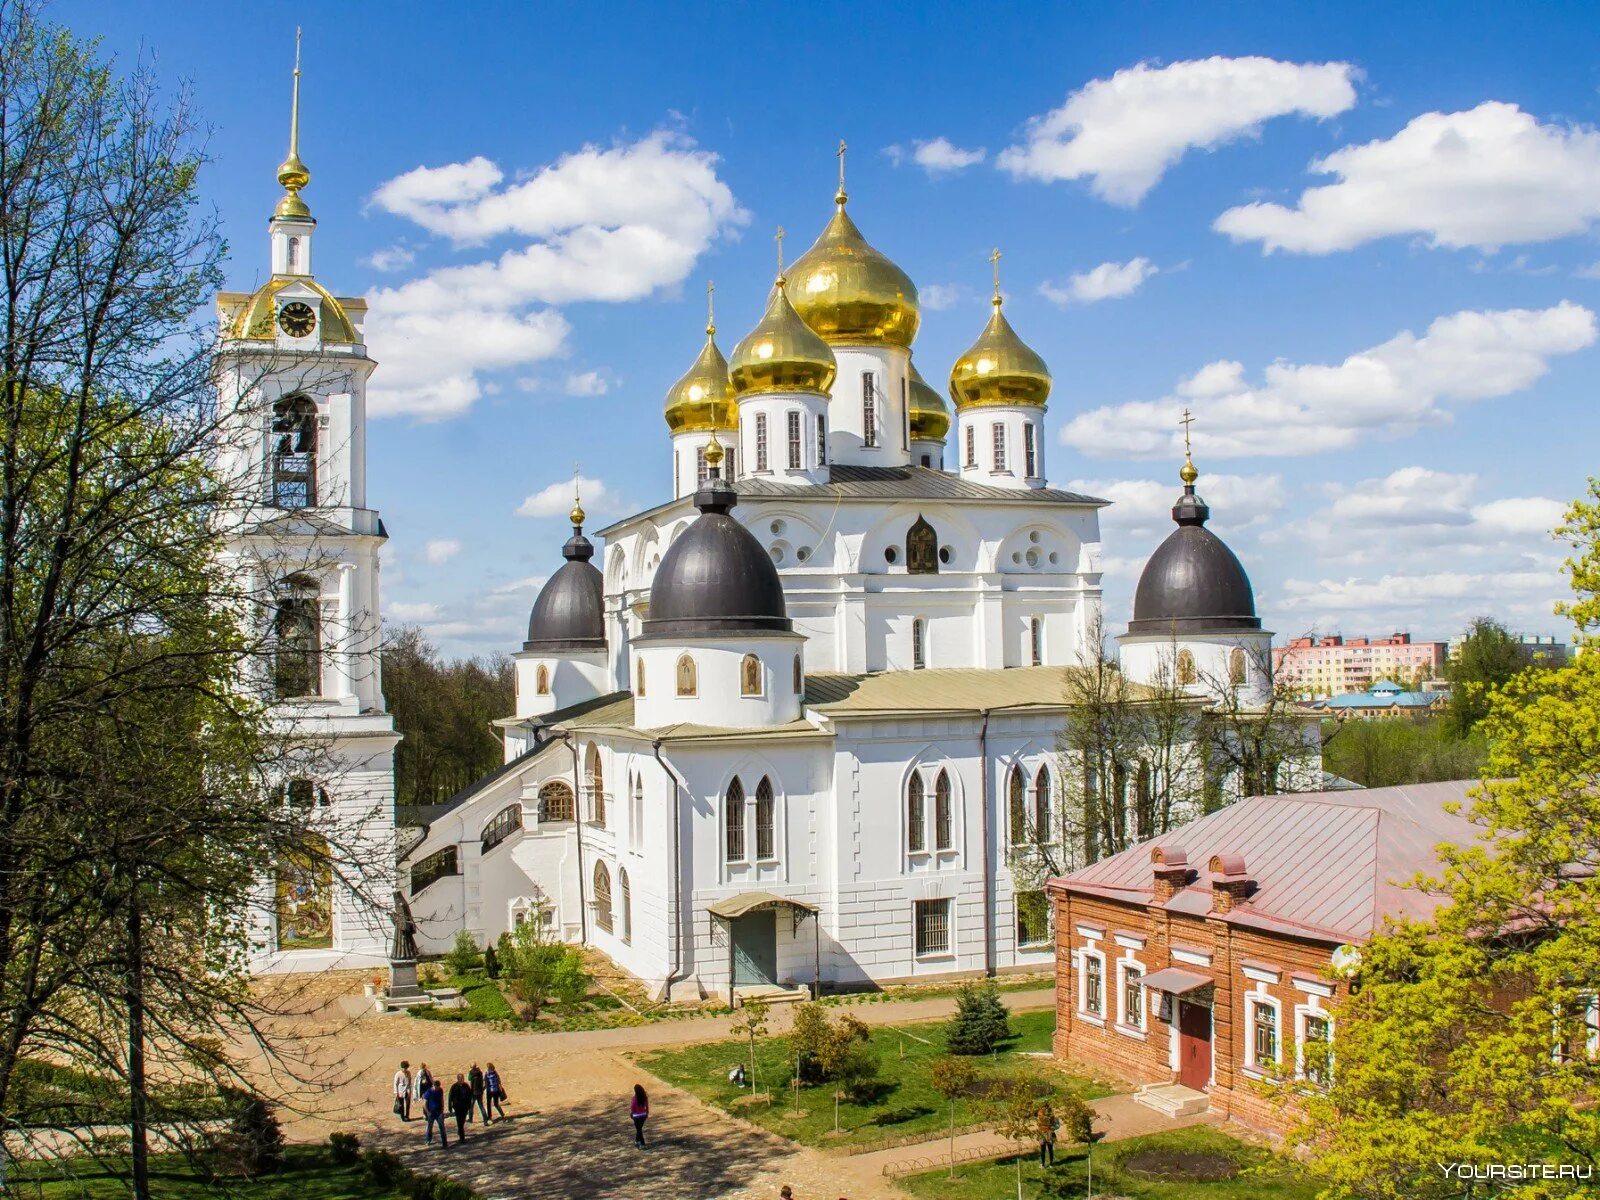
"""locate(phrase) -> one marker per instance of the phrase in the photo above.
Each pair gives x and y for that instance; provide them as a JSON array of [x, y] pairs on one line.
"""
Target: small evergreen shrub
[[344, 1149], [464, 956], [980, 1022], [253, 1130], [384, 1168]]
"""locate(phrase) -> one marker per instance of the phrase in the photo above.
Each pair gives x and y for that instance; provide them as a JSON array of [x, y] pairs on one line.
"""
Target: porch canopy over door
[[731, 908]]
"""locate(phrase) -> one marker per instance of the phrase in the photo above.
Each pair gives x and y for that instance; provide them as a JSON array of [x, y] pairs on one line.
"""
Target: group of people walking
[[474, 1093]]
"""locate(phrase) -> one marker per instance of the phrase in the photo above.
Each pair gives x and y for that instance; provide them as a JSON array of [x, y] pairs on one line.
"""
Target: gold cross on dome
[[1186, 420], [840, 152], [711, 308], [779, 239], [994, 258]]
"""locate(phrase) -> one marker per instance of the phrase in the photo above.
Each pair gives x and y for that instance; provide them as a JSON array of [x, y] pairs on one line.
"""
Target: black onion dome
[[569, 615], [1193, 583], [716, 579]]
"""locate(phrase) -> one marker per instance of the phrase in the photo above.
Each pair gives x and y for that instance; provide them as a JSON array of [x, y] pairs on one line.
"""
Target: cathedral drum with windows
[[800, 728], [292, 371]]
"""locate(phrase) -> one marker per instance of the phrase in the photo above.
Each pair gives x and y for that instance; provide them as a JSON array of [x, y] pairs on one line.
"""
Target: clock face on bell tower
[[297, 319]]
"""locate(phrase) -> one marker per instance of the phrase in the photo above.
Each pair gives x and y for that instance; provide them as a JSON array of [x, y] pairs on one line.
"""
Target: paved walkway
[[569, 1132]]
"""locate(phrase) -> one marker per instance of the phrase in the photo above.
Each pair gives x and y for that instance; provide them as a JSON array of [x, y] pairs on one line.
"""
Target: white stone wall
[[1005, 465], [890, 367]]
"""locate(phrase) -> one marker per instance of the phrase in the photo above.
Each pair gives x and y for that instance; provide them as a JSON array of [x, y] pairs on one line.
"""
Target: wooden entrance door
[[1194, 1045]]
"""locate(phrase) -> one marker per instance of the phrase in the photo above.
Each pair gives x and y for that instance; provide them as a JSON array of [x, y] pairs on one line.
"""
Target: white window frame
[[761, 443], [1303, 1012], [869, 410], [949, 949], [1030, 450], [822, 440], [971, 446], [998, 430], [1253, 1001], [1134, 1028], [1084, 1011], [919, 643], [796, 446]]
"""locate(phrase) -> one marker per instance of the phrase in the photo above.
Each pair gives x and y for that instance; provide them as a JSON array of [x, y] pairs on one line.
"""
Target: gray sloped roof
[[851, 482], [1325, 865]]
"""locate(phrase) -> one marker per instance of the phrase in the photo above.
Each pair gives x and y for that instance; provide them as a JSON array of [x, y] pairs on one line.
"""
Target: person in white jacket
[[403, 1091]]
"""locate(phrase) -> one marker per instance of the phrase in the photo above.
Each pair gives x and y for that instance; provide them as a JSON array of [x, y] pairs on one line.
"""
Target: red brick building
[[1209, 955]]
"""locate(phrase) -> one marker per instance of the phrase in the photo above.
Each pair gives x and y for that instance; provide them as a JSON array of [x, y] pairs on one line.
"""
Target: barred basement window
[[733, 823], [1030, 453], [1264, 1034], [869, 409], [942, 823], [766, 822], [999, 430], [972, 447], [555, 802], [1033, 918], [435, 867], [1094, 986], [794, 439], [294, 452], [822, 441], [916, 836], [602, 897], [933, 926], [504, 823], [1133, 997], [761, 441]]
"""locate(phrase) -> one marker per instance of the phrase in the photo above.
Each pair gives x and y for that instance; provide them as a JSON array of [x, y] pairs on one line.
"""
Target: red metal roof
[[1326, 865]]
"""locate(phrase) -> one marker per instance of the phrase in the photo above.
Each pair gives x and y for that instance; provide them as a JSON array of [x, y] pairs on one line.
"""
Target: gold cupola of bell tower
[[293, 174]]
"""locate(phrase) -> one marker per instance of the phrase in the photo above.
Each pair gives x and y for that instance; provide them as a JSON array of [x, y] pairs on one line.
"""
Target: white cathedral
[[782, 729]]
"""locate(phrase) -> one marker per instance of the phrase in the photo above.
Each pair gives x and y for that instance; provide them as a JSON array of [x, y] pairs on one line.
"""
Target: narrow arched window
[[766, 822], [916, 832], [943, 822], [595, 784], [638, 676], [294, 452], [1042, 804], [602, 897], [799, 676], [750, 676], [761, 441], [794, 439], [501, 826], [541, 680], [555, 802], [1236, 666], [688, 678], [1036, 641], [1186, 670], [1017, 808], [733, 823], [297, 639], [625, 898], [919, 648]]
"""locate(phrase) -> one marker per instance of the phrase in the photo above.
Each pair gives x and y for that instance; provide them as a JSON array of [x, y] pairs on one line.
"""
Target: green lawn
[[1260, 1175], [902, 1103], [307, 1175]]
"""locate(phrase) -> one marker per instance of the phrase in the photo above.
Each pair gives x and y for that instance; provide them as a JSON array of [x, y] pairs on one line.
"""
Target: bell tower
[[292, 369]]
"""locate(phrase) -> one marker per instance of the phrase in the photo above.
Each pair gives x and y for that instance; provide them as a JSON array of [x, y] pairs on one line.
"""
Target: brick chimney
[[1170, 867], [1229, 882]]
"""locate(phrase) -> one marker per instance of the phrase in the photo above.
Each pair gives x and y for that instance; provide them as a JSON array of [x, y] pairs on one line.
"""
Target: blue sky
[[1392, 375]]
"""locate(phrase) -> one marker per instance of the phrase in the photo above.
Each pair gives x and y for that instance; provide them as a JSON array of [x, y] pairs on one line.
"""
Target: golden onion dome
[[999, 369], [782, 353], [293, 174], [703, 399], [930, 415], [850, 293]]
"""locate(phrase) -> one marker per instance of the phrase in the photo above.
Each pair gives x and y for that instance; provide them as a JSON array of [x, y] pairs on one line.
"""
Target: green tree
[[953, 1078], [1469, 1037], [540, 970], [751, 1025], [1488, 656], [464, 955], [1384, 753], [443, 709], [980, 1023]]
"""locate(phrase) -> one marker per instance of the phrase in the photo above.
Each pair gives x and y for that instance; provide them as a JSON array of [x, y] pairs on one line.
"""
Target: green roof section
[[949, 689]]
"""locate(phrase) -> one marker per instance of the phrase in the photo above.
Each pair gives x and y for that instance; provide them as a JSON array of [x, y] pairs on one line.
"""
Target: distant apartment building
[[1335, 665], [1537, 649]]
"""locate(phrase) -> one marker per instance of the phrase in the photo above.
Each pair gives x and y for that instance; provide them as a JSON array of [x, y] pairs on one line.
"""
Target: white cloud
[[1141, 509], [401, 611], [556, 500], [1487, 177], [587, 383], [441, 550], [601, 224], [1108, 281], [1450, 598], [391, 258], [940, 156], [1388, 390], [938, 297], [1124, 132]]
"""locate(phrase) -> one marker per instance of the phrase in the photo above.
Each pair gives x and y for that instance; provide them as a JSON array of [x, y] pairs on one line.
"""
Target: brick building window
[[1316, 1044], [933, 926], [1263, 1043], [1093, 999], [1132, 995]]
